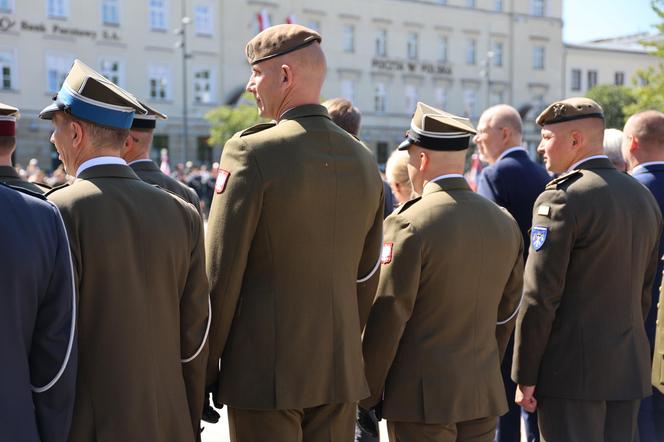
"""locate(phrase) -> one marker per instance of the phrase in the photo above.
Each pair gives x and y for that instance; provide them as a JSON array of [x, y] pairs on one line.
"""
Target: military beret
[[574, 108], [88, 95], [279, 40], [8, 115], [149, 120], [435, 129]]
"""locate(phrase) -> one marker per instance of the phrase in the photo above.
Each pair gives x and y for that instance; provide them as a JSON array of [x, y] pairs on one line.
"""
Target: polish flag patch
[[386, 253], [222, 180]]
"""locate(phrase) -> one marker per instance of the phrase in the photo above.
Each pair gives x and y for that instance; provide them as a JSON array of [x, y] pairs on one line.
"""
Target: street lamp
[[486, 73], [182, 43]]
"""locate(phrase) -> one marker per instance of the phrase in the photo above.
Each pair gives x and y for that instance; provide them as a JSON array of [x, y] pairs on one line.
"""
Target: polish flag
[[263, 20], [291, 19], [474, 171]]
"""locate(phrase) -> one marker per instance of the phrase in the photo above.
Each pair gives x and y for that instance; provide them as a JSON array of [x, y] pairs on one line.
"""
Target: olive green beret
[[570, 109], [279, 40]]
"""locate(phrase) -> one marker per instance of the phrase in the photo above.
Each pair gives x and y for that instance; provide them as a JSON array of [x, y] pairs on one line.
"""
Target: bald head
[[643, 138], [498, 129]]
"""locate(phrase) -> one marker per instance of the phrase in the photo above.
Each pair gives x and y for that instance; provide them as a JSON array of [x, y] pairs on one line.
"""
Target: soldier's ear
[[286, 75]]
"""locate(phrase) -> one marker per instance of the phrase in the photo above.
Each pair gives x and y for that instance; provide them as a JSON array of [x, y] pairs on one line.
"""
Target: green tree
[[613, 99], [225, 121], [649, 83]]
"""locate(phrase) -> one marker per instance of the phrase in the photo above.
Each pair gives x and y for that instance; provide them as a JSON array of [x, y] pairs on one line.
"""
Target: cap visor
[[47, 113], [405, 144]]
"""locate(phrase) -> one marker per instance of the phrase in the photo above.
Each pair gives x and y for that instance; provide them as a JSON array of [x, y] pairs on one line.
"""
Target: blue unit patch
[[538, 236]]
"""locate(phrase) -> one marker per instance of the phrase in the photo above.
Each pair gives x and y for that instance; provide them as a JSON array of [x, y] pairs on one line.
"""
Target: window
[[159, 142], [203, 20], [498, 54], [349, 38], [203, 86], [57, 8], [348, 89], [110, 12], [592, 79], [411, 98], [381, 152], [538, 58], [57, 68], [159, 82], [158, 20], [537, 7], [203, 150], [470, 3], [7, 70], [441, 97], [470, 102], [498, 5], [411, 45], [379, 98], [6, 5], [471, 50], [381, 43], [576, 80], [113, 70], [442, 49], [619, 78]]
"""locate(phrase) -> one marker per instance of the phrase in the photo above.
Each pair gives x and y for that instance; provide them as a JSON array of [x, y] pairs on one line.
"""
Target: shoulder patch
[[257, 128], [564, 178], [222, 180], [386, 252], [538, 236], [24, 190], [407, 204], [56, 188]]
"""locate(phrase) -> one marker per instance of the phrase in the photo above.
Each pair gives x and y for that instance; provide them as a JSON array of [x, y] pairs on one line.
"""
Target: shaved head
[[503, 115], [498, 129], [643, 138]]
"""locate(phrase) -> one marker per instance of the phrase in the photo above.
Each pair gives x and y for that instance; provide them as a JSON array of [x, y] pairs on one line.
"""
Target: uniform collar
[[108, 171], [8, 172], [98, 161], [592, 162], [144, 165], [649, 166], [446, 183], [510, 151], [306, 110]]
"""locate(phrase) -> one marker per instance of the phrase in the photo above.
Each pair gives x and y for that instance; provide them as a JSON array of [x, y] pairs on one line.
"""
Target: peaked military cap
[[8, 116], [149, 120], [87, 95], [435, 129], [279, 40], [574, 108]]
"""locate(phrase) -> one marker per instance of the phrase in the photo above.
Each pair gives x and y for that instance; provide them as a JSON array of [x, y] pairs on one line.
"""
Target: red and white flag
[[263, 20], [473, 173], [291, 19]]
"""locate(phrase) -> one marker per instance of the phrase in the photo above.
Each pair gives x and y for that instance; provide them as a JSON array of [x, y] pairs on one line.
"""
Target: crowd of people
[[322, 298]]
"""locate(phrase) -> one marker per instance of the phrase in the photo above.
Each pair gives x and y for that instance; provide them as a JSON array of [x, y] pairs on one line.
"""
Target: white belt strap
[[513, 314], [207, 330]]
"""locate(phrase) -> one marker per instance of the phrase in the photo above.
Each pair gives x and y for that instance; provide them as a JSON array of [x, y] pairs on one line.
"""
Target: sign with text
[[412, 67]]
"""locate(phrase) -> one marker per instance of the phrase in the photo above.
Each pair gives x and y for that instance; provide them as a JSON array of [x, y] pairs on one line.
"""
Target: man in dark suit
[[580, 343], [292, 249], [37, 320], [140, 274], [136, 153], [643, 150], [512, 180]]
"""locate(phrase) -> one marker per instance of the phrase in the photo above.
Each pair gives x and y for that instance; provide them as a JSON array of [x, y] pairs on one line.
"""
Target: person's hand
[[367, 424], [525, 396]]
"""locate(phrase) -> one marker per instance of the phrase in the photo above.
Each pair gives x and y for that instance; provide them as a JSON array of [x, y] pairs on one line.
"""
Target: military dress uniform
[[580, 337], [37, 320], [8, 175], [293, 241], [142, 290], [439, 325]]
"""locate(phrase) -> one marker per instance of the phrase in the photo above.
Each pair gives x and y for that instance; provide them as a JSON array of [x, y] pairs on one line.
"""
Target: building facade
[[384, 55]]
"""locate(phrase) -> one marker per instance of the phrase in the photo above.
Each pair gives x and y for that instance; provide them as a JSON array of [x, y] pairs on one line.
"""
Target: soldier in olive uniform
[[136, 153], [580, 342], [8, 175], [440, 323], [140, 274], [292, 248]]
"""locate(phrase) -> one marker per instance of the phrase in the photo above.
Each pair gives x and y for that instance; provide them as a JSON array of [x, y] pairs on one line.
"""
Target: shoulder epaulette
[[564, 178], [24, 190], [407, 204], [257, 128], [56, 188]]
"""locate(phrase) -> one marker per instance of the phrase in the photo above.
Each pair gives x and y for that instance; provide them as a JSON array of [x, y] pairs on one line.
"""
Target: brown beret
[[279, 40], [570, 109]]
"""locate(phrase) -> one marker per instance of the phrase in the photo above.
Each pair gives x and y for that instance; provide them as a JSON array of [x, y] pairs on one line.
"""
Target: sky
[[585, 20]]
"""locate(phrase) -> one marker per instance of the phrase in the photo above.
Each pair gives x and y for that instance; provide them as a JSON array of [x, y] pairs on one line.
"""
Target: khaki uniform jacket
[[658, 356], [452, 270], [9, 176], [150, 173], [295, 221], [143, 308], [587, 289]]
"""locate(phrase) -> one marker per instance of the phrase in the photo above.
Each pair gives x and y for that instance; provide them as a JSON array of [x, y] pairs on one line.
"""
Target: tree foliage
[[613, 99], [226, 120]]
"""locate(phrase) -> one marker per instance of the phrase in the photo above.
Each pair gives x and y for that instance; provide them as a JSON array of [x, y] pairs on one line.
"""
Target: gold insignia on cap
[[570, 109]]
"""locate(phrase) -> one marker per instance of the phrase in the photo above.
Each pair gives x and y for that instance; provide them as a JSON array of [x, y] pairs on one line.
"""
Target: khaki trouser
[[567, 420], [325, 423], [478, 430]]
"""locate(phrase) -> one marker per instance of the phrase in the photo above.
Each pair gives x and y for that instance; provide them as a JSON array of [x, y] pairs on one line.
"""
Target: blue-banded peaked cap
[[88, 95], [436, 129]]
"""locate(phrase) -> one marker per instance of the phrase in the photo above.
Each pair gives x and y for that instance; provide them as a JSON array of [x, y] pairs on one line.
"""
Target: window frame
[[63, 9], [162, 12], [167, 96], [208, 30], [539, 58], [114, 4]]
